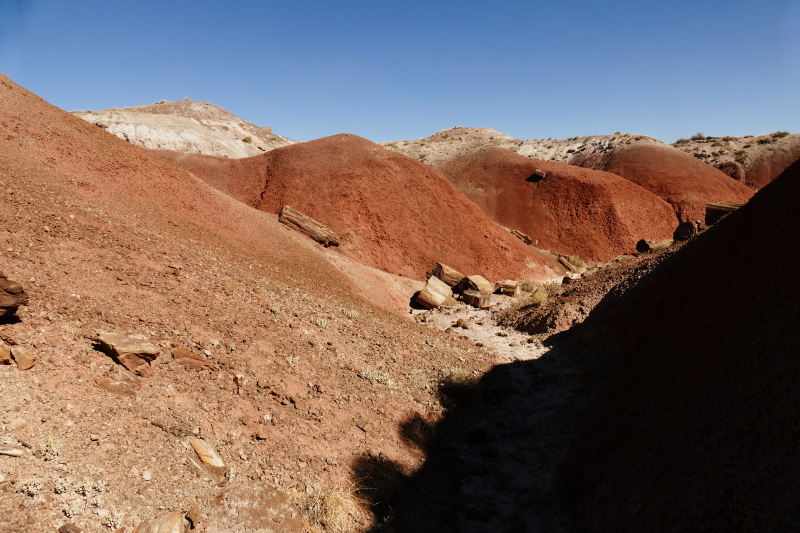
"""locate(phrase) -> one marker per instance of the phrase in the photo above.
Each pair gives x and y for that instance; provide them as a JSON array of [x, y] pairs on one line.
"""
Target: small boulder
[[132, 351], [645, 246], [12, 296], [23, 357], [5, 355], [685, 231], [171, 522]]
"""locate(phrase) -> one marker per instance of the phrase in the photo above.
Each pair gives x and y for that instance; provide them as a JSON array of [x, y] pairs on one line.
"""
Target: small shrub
[[527, 286], [536, 298], [84, 488], [30, 487], [780, 134], [764, 140], [113, 520], [332, 508], [275, 310], [230, 474], [293, 360], [728, 138], [376, 376], [449, 301], [698, 136], [248, 140], [680, 142], [62, 486], [322, 322], [577, 261], [352, 314], [617, 132], [49, 449], [71, 509]]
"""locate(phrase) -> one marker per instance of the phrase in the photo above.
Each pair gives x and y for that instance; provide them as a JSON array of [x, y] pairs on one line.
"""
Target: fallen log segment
[[521, 236], [449, 275], [511, 288], [477, 299], [644, 246], [434, 294], [716, 210], [305, 224], [12, 295], [475, 283]]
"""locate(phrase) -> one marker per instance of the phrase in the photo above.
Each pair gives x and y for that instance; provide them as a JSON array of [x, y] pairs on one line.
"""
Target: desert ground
[[208, 327]]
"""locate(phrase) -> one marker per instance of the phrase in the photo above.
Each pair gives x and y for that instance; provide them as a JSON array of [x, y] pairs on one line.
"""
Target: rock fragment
[[132, 351], [685, 231], [206, 452], [5, 355], [12, 296], [171, 522], [69, 527], [189, 360], [23, 356], [12, 450]]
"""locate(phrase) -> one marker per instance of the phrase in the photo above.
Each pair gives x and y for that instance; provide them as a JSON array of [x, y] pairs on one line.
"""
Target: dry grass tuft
[[461, 385], [333, 508]]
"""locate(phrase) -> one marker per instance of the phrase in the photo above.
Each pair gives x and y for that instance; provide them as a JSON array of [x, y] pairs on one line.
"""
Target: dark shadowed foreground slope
[[697, 428]]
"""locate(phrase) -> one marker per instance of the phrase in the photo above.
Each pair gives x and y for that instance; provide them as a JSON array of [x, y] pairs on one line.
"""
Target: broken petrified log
[[521, 236], [449, 275], [12, 296], [569, 266], [644, 246], [478, 299], [511, 288], [295, 219], [716, 210], [685, 231], [434, 294], [475, 283], [132, 351]]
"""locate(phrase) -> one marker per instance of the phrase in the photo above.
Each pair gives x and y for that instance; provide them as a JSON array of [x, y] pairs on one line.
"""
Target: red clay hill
[[390, 211], [697, 428], [571, 210], [680, 179]]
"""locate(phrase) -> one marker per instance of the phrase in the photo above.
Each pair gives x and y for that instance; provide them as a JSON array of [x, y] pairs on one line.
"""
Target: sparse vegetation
[[113, 520], [30, 487], [352, 314], [293, 360], [699, 136], [49, 449], [275, 310], [322, 322], [71, 509], [375, 376], [527, 286], [681, 141], [617, 132], [764, 140], [780, 134], [450, 301], [740, 156], [332, 509], [577, 261], [248, 140], [461, 385], [62, 486]]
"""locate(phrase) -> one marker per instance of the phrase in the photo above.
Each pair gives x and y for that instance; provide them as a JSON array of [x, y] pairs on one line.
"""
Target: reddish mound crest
[[697, 427], [680, 179], [572, 210], [390, 211]]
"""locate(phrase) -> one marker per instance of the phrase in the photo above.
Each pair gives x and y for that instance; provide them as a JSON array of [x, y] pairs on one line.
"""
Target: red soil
[[390, 211], [680, 179], [769, 162], [593, 214], [697, 428], [97, 164]]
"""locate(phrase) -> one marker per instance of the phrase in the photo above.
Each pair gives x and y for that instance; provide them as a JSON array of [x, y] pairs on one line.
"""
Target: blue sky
[[403, 70]]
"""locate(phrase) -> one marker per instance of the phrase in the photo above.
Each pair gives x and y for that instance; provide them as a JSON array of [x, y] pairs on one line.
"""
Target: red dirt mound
[[697, 427], [771, 160], [572, 210], [680, 179], [390, 211]]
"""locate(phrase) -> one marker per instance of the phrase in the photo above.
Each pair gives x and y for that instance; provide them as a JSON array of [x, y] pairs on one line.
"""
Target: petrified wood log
[[297, 220], [449, 275], [477, 298], [434, 294]]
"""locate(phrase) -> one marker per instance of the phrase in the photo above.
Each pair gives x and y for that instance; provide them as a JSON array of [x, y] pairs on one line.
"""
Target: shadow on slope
[[489, 461]]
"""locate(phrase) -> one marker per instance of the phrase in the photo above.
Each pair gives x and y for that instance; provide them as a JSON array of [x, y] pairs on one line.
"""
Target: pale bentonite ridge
[[444, 146], [186, 126], [754, 161]]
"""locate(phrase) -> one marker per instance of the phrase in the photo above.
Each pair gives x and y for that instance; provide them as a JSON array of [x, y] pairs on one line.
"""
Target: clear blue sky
[[403, 70]]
